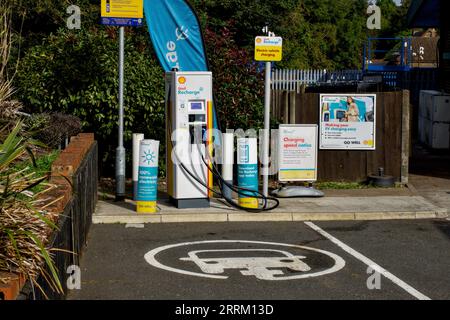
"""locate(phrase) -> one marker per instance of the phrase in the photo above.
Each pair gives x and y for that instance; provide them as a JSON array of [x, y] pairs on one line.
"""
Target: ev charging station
[[189, 123], [190, 117], [190, 167]]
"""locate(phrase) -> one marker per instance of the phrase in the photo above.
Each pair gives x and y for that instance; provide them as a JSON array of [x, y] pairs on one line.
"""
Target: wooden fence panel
[[343, 165]]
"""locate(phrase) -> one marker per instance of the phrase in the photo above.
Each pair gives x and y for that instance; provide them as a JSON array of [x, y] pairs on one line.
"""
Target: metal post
[[364, 58], [120, 151], [266, 145]]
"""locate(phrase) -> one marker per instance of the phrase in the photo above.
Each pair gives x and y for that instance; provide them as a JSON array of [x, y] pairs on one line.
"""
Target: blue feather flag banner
[[176, 35]]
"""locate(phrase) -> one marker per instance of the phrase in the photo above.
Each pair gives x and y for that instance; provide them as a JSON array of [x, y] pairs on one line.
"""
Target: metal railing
[[73, 226], [293, 80], [415, 79]]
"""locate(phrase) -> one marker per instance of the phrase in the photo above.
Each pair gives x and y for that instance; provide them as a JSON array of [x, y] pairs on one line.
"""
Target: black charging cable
[[239, 190], [214, 170]]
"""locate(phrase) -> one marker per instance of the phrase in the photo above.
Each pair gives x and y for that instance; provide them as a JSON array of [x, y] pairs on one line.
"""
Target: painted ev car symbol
[[261, 260], [262, 267]]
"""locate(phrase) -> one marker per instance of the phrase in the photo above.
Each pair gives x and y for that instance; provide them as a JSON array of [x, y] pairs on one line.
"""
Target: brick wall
[[55, 201]]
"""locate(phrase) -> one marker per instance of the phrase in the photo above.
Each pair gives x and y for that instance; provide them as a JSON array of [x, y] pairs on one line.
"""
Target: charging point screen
[[196, 106]]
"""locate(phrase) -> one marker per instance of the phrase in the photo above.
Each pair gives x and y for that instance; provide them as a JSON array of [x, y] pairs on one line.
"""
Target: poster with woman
[[347, 121]]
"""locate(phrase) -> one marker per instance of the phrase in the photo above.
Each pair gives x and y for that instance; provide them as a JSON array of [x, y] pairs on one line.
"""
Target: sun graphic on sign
[[149, 157]]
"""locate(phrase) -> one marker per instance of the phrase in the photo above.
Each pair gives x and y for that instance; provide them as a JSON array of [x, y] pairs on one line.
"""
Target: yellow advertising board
[[268, 48], [122, 12], [294, 175]]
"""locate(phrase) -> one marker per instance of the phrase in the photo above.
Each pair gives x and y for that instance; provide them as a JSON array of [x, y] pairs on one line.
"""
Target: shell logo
[[181, 80], [258, 40]]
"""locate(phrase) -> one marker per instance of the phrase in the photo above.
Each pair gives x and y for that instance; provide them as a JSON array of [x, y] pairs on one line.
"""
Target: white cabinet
[[434, 119], [441, 108], [435, 135]]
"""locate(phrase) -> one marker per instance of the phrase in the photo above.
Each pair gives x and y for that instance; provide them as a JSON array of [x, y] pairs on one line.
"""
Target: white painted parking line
[[134, 225], [369, 263]]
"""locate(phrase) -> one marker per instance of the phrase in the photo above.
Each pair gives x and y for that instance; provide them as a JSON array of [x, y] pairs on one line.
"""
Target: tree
[[317, 34], [238, 86], [75, 72]]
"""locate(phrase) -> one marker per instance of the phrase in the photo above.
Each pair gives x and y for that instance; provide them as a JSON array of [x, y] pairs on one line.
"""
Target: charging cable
[[239, 190]]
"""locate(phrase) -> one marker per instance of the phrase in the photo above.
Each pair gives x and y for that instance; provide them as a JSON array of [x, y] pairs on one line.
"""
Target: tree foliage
[[75, 71], [239, 87], [317, 34]]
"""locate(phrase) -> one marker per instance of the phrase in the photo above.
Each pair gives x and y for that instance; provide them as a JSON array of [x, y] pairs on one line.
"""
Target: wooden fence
[[392, 136]]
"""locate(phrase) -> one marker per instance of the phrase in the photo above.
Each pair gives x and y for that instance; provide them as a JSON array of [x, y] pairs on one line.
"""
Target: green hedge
[[76, 72]]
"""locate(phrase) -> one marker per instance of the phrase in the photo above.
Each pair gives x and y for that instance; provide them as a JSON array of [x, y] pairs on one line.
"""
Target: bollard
[[148, 177], [227, 163], [247, 161], [137, 138]]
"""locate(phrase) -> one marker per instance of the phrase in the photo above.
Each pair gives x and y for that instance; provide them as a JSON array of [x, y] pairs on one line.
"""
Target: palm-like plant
[[24, 229]]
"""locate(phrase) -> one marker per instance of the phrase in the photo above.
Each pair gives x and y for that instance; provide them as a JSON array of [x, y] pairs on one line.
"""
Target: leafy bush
[[24, 229], [53, 128], [76, 73], [238, 86]]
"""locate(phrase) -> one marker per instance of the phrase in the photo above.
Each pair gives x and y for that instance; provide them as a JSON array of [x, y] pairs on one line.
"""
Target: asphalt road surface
[[290, 261]]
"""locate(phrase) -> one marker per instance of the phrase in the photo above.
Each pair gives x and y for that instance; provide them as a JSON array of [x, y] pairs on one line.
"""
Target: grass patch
[[342, 185], [43, 164], [43, 167]]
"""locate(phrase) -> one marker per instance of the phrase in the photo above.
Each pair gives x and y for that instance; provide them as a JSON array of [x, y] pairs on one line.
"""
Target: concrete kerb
[[109, 212]]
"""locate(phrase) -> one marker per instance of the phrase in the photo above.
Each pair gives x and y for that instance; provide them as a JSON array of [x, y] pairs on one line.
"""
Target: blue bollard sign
[[247, 161]]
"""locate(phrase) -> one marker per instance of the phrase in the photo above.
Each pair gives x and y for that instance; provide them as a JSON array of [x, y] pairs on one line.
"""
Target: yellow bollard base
[[251, 203], [145, 207]]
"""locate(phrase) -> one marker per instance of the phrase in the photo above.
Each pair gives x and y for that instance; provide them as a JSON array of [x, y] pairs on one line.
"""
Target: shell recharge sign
[[268, 48]]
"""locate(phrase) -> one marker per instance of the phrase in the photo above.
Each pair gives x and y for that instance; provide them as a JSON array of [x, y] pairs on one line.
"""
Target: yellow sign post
[[268, 48], [122, 12]]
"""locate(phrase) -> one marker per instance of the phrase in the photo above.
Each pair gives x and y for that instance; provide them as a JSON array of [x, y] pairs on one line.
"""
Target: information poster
[[297, 153], [347, 121], [122, 12]]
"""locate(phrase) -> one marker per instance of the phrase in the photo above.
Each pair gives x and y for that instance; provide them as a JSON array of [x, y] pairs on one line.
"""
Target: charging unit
[[189, 122]]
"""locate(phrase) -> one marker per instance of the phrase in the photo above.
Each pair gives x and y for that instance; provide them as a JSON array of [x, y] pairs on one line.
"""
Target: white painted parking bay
[[265, 260]]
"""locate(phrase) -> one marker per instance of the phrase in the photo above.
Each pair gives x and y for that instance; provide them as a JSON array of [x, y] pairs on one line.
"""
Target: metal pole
[[265, 162], [120, 151]]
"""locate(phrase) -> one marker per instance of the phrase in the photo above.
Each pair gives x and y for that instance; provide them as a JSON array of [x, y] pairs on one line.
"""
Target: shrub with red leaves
[[238, 86]]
